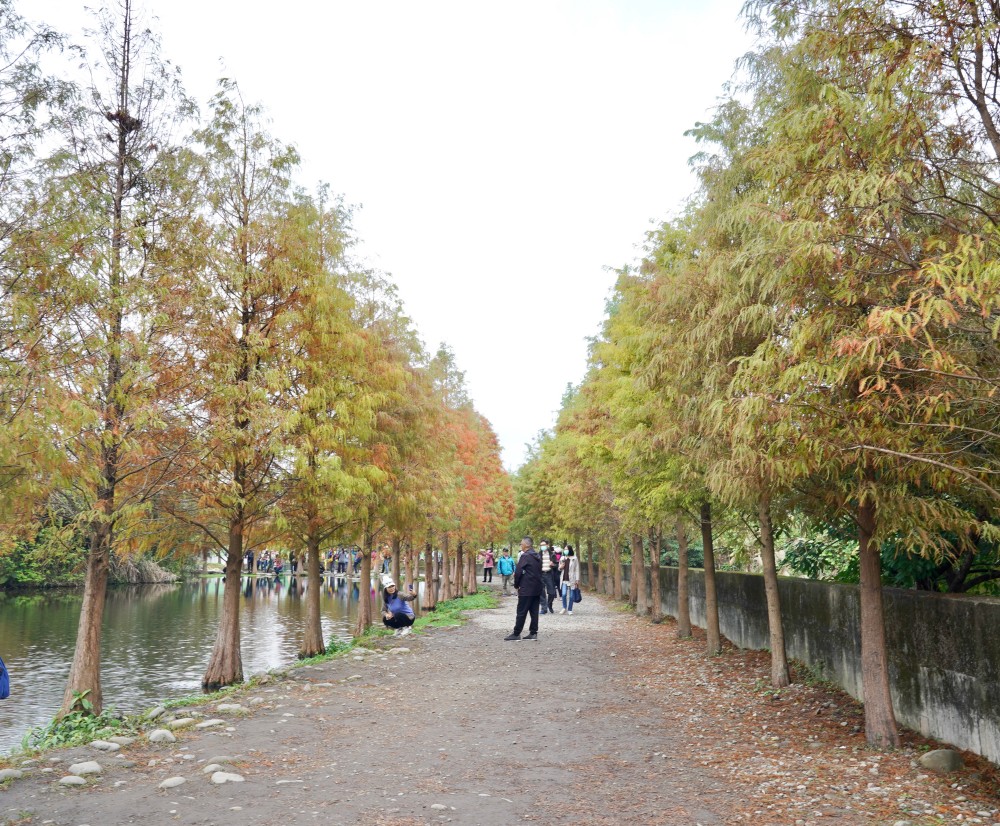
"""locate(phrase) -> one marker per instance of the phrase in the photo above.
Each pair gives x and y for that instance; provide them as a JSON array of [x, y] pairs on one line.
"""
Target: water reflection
[[157, 639]]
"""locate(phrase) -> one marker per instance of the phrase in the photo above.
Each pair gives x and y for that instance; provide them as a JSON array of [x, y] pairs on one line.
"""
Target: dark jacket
[[528, 574]]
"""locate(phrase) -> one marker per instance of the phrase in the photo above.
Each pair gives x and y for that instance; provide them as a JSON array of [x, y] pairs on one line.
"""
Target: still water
[[157, 640]]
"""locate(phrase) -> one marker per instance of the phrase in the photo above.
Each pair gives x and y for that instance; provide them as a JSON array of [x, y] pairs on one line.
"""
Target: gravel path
[[606, 719]]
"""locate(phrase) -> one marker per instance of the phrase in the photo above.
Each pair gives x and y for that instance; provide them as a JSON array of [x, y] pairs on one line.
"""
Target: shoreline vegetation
[[81, 726]]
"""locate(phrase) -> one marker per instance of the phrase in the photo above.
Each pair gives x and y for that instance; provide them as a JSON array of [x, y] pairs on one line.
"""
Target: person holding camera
[[397, 613]]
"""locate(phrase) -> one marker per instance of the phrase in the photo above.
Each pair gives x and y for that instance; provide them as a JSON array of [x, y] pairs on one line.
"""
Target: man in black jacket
[[528, 582]]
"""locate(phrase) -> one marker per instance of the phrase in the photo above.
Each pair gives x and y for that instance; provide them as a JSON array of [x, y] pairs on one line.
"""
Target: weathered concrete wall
[[944, 651]]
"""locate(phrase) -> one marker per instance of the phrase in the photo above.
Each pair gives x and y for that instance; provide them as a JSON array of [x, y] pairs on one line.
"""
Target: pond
[[157, 640]]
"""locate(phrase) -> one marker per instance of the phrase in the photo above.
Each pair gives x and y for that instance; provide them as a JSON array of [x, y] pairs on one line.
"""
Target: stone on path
[[159, 711], [226, 777], [104, 745], [209, 723], [122, 741], [183, 722], [171, 782], [10, 774], [224, 707], [942, 760], [221, 758], [87, 767], [212, 767], [72, 780], [161, 735]]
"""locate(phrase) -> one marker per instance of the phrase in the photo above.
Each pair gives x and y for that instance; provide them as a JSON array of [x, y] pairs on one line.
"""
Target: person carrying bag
[[569, 567]]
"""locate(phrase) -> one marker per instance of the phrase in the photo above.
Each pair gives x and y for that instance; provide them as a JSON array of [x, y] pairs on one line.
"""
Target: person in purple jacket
[[397, 613]]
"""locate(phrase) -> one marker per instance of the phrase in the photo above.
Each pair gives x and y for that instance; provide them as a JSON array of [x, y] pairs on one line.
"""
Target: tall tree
[[253, 261], [113, 188]]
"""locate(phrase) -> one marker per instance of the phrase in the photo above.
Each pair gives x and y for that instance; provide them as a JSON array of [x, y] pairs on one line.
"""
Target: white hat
[[387, 581]]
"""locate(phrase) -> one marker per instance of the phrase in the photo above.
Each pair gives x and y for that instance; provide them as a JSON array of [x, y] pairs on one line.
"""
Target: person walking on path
[[397, 613], [550, 577], [569, 569], [528, 582], [505, 567], [488, 566]]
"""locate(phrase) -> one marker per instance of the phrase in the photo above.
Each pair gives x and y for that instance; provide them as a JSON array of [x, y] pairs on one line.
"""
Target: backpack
[[4, 681]]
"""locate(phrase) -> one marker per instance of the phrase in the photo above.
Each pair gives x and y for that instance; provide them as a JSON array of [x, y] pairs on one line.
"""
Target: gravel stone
[[226, 777]]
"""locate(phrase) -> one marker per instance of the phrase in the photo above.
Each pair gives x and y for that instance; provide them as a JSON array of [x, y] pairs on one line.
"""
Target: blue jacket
[[505, 565]]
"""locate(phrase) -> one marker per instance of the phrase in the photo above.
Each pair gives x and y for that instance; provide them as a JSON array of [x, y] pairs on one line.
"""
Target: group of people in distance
[[539, 577]]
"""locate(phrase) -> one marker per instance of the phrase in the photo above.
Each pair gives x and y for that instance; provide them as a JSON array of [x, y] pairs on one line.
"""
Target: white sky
[[504, 154]]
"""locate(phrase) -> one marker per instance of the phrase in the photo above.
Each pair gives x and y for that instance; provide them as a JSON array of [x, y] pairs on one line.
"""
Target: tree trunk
[[365, 587], [472, 582], [633, 581], [779, 663], [591, 568], [396, 546], [617, 559], [312, 640], [225, 665], [605, 574], [712, 635], [683, 603], [445, 570], [459, 571], [413, 564], [880, 719], [85, 673], [655, 541], [429, 602], [639, 574]]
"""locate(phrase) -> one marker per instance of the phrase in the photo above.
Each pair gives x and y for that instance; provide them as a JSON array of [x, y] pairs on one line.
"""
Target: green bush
[[53, 557], [77, 728]]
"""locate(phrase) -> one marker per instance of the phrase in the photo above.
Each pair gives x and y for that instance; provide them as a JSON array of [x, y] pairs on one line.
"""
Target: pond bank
[[157, 640], [605, 720]]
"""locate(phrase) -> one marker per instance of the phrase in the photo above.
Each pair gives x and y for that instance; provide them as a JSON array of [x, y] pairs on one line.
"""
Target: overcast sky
[[503, 155]]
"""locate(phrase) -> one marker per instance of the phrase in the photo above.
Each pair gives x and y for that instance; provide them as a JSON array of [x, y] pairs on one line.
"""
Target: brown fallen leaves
[[799, 753]]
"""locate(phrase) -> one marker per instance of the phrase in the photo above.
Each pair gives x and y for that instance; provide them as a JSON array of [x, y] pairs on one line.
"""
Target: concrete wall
[[944, 651]]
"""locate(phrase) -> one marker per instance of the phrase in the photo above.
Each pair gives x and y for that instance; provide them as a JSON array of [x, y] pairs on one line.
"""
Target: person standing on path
[[488, 566], [528, 582], [550, 577], [569, 569], [505, 567]]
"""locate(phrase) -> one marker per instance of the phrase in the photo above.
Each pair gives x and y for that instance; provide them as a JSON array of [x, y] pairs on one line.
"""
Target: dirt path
[[605, 720]]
